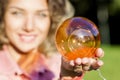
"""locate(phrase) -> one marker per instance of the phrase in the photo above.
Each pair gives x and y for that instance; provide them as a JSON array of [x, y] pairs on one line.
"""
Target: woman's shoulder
[[6, 61]]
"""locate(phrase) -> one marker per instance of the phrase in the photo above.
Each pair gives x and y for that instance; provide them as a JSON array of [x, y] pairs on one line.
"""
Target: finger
[[78, 61], [86, 67], [72, 63], [85, 61], [100, 63], [92, 61], [67, 64], [78, 69], [99, 53], [77, 65], [97, 65]]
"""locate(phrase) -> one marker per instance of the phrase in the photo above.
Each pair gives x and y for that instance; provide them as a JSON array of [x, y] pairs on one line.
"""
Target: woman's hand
[[87, 64], [81, 65]]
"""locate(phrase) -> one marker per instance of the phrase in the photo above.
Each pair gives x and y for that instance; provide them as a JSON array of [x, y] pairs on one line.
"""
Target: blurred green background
[[111, 67]]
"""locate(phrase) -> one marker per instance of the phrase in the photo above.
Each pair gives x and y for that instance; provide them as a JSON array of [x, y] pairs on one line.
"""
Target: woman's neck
[[14, 54]]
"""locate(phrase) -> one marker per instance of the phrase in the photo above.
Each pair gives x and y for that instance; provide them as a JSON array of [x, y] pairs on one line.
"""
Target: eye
[[42, 15], [17, 13]]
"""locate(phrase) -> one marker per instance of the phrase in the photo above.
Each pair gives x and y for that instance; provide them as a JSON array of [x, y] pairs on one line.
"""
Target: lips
[[27, 38]]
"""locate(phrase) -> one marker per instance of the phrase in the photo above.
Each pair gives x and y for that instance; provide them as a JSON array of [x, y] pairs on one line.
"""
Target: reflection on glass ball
[[77, 37]]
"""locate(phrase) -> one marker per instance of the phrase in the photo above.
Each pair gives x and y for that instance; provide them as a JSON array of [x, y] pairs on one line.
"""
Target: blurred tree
[[114, 20], [103, 16]]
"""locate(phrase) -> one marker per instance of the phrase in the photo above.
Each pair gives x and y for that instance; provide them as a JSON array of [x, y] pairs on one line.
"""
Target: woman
[[27, 31]]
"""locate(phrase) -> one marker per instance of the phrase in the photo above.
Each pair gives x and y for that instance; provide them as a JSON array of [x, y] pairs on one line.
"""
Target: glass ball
[[77, 37]]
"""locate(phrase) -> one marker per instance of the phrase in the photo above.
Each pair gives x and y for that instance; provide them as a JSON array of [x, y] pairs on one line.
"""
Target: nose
[[29, 24]]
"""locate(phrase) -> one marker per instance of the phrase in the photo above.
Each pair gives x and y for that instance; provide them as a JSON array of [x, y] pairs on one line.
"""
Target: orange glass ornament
[[77, 37]]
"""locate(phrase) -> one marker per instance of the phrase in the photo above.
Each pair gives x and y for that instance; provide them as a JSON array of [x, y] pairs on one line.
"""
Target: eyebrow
[[40, 10], [16, 8]]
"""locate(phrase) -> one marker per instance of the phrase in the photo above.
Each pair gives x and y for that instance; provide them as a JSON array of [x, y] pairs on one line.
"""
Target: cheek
[[44, 26], [10, 28], [12, 22], [10, 33]]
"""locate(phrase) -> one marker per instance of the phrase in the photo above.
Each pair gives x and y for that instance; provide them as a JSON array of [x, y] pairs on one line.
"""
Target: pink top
[[9, 69]]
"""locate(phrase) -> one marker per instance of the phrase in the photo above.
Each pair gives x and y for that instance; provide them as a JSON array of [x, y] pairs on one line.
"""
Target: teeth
[[27, 38]]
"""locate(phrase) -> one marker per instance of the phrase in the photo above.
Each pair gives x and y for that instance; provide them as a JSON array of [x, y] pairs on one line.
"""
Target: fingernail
[[100, 53], [72, 63], [85, 60], [100, 63], [78, 61]]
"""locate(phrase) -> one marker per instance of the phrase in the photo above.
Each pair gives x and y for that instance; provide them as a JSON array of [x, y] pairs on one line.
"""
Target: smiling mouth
[[27, 38]]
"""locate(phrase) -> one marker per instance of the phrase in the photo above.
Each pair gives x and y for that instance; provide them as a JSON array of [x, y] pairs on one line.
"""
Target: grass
[[111, 68]]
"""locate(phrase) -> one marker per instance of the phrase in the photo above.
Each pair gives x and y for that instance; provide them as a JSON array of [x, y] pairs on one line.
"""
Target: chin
[[26, 49]]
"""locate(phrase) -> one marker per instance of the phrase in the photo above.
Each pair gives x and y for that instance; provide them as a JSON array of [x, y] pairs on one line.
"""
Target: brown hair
[[3, 38]]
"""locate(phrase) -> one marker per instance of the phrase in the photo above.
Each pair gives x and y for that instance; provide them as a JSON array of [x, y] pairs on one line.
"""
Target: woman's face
[[26, 23]]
